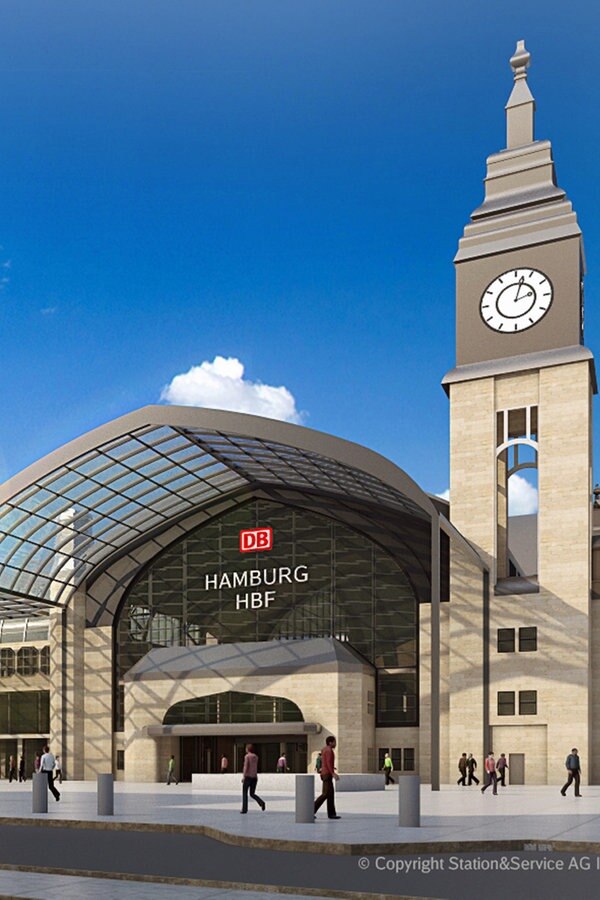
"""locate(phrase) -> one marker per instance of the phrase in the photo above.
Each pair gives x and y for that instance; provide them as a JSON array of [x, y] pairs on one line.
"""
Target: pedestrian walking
[[328, 775], [250, 779], [471, 766], [573, 766], [224, 765], [388, 768], [282, 764], [58, 769], [318, 762], [46, 769], [501, 767], [12, 769], [171, 771], [462, 768], [490, 772], [22, 770]]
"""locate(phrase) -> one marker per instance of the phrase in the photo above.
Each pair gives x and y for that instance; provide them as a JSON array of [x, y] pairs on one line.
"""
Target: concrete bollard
[[305, 798], [409, 801], [39, 793], [106, 795]]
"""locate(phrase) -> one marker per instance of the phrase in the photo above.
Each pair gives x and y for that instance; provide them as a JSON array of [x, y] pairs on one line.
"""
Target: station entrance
[[203, 754]]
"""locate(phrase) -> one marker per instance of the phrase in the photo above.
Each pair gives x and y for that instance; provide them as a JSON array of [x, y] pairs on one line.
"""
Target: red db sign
[[254, 539]]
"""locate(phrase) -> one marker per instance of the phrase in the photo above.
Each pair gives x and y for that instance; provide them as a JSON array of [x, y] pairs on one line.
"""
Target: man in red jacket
[[490, 771], [328, 776]]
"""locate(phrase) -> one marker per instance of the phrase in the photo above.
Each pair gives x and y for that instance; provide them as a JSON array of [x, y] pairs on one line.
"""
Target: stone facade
[[335, 700]]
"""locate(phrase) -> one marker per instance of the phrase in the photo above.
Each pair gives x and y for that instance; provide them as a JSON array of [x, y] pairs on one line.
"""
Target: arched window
[[517, 496], [321, 578], [230, 707]]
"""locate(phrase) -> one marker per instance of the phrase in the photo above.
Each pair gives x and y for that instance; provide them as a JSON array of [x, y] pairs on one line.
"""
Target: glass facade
[[320, 579], [25, 712]]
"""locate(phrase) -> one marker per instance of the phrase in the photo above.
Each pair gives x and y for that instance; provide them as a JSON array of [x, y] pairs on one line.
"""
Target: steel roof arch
[[91, 500]]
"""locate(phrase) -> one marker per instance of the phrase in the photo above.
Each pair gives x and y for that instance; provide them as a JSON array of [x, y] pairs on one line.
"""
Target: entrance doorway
[[203, 754]]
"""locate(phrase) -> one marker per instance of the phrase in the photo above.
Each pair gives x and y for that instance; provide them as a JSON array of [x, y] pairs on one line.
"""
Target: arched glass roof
[[69, 516]]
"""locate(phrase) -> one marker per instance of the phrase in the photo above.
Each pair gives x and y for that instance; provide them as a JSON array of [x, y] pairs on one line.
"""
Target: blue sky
[[279, 182]]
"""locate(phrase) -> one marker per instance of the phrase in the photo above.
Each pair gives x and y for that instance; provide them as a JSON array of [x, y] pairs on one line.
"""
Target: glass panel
[[396, 698]]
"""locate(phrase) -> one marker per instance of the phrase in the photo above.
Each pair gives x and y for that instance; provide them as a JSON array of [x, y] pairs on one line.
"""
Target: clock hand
[[520, 285]]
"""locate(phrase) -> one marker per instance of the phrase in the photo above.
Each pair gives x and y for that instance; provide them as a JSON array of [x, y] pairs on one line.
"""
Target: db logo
[[256, 539]]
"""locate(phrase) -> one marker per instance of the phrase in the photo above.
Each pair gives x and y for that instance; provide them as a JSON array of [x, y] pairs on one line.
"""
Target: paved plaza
[[451, 815], [453, 820]]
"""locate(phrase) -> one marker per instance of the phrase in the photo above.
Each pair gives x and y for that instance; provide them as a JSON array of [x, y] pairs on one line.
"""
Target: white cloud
[[220, 384], [522, 496]]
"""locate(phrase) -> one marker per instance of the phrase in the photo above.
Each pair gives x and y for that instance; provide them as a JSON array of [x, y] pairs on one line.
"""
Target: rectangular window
[[528, 703], [25, 712], [506, 703], [120, 760], [380, 757], [409, 759], [506, 640], [396, 755], [527, 639]]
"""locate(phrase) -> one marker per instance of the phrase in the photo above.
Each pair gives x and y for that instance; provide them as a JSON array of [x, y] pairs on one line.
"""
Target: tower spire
[[520, 108]]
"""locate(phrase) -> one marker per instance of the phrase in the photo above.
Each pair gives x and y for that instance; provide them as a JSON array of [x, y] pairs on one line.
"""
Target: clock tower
[[520, 652]]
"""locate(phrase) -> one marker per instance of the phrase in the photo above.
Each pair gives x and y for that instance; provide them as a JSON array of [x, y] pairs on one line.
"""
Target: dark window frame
[[506, 640], [528, 703], [506, 703], [528, 639], [8, 663]]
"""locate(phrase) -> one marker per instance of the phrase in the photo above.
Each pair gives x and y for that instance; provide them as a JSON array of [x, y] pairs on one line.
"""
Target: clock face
[[516, 300]]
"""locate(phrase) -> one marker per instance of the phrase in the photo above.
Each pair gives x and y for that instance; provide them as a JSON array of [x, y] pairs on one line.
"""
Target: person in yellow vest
[[388, 768]]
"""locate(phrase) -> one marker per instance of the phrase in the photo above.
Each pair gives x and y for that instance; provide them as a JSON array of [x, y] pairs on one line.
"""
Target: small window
[[381, 755], [409, 759], [27, 661], [371, 703], [527, 639], [120, 760], [397, 758], [7, 662], [506, 703], [506, 640], [45, 660], [528, 703]]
